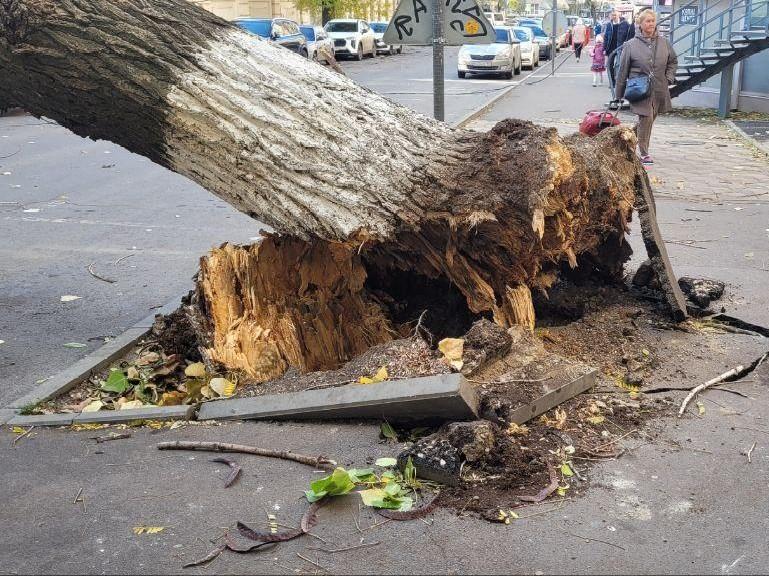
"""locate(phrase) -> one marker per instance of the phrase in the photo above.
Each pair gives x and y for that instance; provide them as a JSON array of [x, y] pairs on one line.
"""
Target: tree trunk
[[370, 201]]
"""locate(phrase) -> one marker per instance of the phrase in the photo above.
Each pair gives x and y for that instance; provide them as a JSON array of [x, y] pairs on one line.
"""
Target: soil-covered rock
[[701, 291]]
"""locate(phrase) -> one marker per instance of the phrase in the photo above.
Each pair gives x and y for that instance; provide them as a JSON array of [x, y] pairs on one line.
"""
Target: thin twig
[[77, 497], [375, 525], [319, 462], [12, 154], [613, 441], [546, 511], [24, 434], [111, 437], [94, 275], [360, 546], [714, 381], [122, 258], [597, 540], [750, 451], [312, 562], [509, 381]]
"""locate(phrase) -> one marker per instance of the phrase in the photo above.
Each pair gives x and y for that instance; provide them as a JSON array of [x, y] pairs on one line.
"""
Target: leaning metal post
[[438, 43]]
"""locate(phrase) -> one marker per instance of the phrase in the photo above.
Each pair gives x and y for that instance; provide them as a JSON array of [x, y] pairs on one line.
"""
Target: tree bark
[[363, 194]]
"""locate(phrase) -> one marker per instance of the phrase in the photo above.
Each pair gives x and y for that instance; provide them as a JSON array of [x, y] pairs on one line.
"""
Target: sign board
[[463, 23], [560, 23], [688, 16]]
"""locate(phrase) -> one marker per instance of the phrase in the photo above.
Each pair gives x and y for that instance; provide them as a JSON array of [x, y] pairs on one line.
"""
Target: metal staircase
[[711, 38]]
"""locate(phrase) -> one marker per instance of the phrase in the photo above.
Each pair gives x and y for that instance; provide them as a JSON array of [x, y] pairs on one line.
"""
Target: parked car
[[545, 48], [379, 29], [496, 18], [530, 22], [280, 31], [503, 57], [529, 47], [352, 37], [316, 39]]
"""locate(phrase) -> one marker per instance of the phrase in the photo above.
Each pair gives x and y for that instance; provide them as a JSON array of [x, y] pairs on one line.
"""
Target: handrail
[[750, 9]]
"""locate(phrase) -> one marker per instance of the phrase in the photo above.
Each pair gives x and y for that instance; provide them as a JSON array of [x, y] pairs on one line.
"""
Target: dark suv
[[280, 31]]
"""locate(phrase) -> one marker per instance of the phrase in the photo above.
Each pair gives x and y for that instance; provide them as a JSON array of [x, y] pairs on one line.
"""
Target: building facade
[[231, 9], [750, 84]]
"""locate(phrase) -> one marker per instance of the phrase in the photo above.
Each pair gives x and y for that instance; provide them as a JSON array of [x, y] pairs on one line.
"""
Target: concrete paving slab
[[58, 420], [128, 415], [82, 369], [553, 398], [435, 397], [6, 415]]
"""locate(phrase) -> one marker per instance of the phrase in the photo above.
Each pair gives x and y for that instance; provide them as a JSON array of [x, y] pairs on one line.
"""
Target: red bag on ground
[[596, 120]]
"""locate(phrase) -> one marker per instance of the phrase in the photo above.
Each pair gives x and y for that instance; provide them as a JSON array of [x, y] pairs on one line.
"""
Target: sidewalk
[[683, 499]]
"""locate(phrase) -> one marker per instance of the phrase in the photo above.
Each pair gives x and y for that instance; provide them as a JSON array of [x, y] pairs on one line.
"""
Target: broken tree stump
[[373, 206]]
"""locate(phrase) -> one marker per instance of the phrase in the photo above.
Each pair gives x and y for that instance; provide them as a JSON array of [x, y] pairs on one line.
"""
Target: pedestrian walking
[[616, 34], [647, 69], [578, 37], [599, 60]]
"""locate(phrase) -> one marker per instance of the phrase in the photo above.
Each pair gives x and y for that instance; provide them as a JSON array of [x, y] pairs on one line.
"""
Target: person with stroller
[[652, 56]]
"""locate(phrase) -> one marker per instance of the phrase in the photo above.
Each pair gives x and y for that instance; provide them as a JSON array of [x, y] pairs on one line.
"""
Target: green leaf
[[362, 475], [566, 470], [116, 382], [386, 462], [337, 483], [392, 489], [74, 345], [410, 472], [386, 431]]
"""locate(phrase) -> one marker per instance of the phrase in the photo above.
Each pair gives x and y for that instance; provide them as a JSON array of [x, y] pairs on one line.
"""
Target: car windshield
[[309, 32], [259, 27], [522, 35], [503, 37], [537, 30], [378, 26], [342, 27]]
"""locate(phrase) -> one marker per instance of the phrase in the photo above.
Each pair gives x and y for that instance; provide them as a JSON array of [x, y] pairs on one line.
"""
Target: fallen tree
[[377, 211]]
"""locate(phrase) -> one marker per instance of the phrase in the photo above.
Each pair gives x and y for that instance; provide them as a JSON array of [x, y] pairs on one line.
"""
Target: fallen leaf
[[69, 298], [386, 431], [89, 426], [74, 345], [386, 462], [132, 373], [562, 490], [93, 407], [144, 530], [515, 429], [195, 370], [452, 349], [566, 470], [116, 382], [2, 342], [135, 404], [18, 430], [148, 359], [378, 377], [207, 392], [700, 408], [597, 420], [171, 399], [222, 386]]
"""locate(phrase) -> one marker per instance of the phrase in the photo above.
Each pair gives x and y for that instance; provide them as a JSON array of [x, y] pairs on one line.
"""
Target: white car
[[351, 38], [529, 48], [379, 30], [503, 57], [317, 39]]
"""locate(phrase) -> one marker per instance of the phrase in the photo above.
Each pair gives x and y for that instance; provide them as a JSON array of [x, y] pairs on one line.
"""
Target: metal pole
[[553, 51], [438, 42]]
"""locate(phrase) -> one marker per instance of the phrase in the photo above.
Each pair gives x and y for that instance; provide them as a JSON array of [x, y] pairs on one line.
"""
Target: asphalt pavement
[[684, 501]]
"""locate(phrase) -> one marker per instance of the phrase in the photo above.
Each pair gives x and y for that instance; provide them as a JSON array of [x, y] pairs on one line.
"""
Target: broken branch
[[318, 462], [735, 372], [233, 465], [94, 275]]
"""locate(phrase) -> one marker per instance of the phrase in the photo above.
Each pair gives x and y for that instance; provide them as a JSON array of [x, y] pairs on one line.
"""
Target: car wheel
[[517, 69], [400, 49], [360, 53], [314, 55], [461, 74], [534, 62], [373, 50], [391, 51]]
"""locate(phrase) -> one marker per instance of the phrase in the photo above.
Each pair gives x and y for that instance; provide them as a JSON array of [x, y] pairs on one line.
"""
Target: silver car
[[316, 40], [503, 57]]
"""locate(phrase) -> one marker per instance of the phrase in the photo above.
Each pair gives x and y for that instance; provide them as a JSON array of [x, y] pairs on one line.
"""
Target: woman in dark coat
[[651, 55]]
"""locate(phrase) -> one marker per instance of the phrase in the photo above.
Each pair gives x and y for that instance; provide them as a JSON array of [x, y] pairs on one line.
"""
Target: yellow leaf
[[515, 429], [221, 386], [130, 405], [378, 377], [89, 426], [195, 370], [457, 364], [93, 407], [19, 430], [144, 530], [452, 349], [562, 490], [700, 408], [172, 398], [597, 420], [207, 392]]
